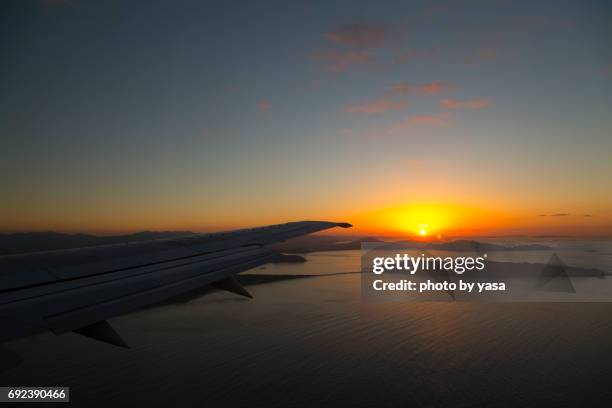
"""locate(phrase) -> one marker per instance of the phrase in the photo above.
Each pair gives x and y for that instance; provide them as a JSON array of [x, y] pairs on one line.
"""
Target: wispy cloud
[[405, 88], [374, 107], [359, 34], [264, 105], [399, 128], [337, 61], [414, 121], [466, 103], [559, 215], [437, 119], [483, 56]]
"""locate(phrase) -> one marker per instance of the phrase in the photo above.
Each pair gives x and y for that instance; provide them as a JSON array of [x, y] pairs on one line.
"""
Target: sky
[[456, 118]]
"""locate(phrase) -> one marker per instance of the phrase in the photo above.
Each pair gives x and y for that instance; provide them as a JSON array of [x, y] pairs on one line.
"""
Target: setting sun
[[429, 220]]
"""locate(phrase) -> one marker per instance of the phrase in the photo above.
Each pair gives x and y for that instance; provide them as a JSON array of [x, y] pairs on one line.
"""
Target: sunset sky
[[458, 117]]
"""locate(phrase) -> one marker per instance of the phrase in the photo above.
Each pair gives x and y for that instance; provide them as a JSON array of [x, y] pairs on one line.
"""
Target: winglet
[[344, 225], [102, 331], [231, 284]]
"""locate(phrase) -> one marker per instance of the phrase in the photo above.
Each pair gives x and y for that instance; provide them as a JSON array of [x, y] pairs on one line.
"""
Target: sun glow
[[428, 221]]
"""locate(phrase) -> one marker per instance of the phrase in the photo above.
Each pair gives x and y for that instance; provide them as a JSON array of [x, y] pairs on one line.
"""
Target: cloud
[[559, 215], [264, 105], [404, 88], [337, 61], [437, 119], [484, 55], [466, 103], [587, 215], [400, 128], [359, 35], [378, 106]]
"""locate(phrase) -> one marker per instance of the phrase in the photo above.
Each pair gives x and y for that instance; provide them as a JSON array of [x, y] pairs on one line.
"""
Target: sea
[[309, 339]]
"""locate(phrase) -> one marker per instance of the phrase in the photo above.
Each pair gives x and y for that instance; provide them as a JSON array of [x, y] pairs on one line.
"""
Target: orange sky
[[432, 219], [413, 120]]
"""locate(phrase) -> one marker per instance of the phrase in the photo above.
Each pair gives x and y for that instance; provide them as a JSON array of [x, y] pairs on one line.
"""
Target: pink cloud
[[264, 105], [434, 87], [437, 119], [405, 88], [408, 126], [484, 55], [378, 106], [359, 35], [466, 103], [337, 61]]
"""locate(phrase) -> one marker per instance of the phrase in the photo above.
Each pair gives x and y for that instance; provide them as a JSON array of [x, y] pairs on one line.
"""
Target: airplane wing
[[78, 289]]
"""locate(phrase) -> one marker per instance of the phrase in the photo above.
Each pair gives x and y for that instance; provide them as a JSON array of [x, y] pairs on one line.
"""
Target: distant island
[[24, 242], [318, 243]]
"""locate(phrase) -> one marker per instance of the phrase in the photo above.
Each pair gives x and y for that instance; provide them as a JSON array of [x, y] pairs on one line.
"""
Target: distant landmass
[[46, 241], [471, 245], [316, 243]]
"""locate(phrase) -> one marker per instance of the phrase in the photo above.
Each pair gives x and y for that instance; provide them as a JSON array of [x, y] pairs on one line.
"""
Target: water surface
[[314, 342]]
